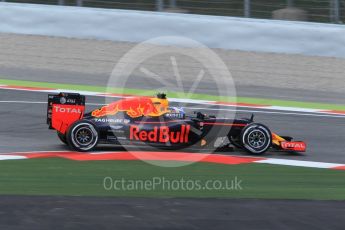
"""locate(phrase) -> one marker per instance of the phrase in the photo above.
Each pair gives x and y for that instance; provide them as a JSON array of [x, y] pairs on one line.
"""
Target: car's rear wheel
[[256, 138], [82, 136], [62, 137]]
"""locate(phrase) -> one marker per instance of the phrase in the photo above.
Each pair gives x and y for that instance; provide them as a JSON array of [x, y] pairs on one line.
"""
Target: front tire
[[82, 136], [256, 138]]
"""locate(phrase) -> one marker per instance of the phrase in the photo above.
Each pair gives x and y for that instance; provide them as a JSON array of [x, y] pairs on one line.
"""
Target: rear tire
[[62, 137], [256, 138], [82, 136]]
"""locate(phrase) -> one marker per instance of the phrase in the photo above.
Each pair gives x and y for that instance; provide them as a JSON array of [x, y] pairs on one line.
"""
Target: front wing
[[286, 144]]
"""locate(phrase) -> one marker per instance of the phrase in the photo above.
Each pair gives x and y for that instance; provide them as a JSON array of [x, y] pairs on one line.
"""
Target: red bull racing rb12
[[149, 121]]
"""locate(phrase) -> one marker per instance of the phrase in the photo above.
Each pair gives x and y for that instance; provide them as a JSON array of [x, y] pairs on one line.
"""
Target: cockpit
[[161, 104]]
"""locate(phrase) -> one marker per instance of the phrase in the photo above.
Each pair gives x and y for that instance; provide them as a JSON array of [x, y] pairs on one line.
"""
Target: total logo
[[160, 134], [297, 145], [59, 109]]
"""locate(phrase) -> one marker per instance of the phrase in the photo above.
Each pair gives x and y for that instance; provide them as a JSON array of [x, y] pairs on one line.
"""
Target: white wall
[[136, 26]]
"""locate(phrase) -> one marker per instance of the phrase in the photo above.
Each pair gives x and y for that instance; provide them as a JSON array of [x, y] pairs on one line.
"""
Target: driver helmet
[[161, 103]]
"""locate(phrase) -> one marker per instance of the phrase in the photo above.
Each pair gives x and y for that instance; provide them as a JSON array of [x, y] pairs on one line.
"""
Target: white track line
[[25, 102], [294, 109], [41, 102], [11, 157], [272, 161], [191, 101], [271, 112], [310, 114], [41, 151], [307, 164]]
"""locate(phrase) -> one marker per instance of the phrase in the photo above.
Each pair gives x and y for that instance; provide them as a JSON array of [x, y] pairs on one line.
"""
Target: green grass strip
[[65, 177], [102, 89]]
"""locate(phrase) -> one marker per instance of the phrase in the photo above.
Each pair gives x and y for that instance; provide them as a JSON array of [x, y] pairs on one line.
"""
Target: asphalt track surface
[[23, 127], [43, 212], [90, 62], [277, 76]]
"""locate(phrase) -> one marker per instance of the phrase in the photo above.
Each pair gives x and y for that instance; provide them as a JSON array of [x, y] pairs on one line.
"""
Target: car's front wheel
[[82, 136], [256, 138]]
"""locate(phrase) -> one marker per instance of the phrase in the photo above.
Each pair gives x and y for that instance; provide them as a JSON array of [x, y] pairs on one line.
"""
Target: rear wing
[[64, 109]]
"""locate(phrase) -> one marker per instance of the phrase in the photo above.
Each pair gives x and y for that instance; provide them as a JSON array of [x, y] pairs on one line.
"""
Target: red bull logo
[[134, 107], [160, 134]]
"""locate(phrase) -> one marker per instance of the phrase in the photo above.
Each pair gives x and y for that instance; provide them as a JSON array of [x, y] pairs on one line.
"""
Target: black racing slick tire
[[82, 136], [256, 138], [62, 137]]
